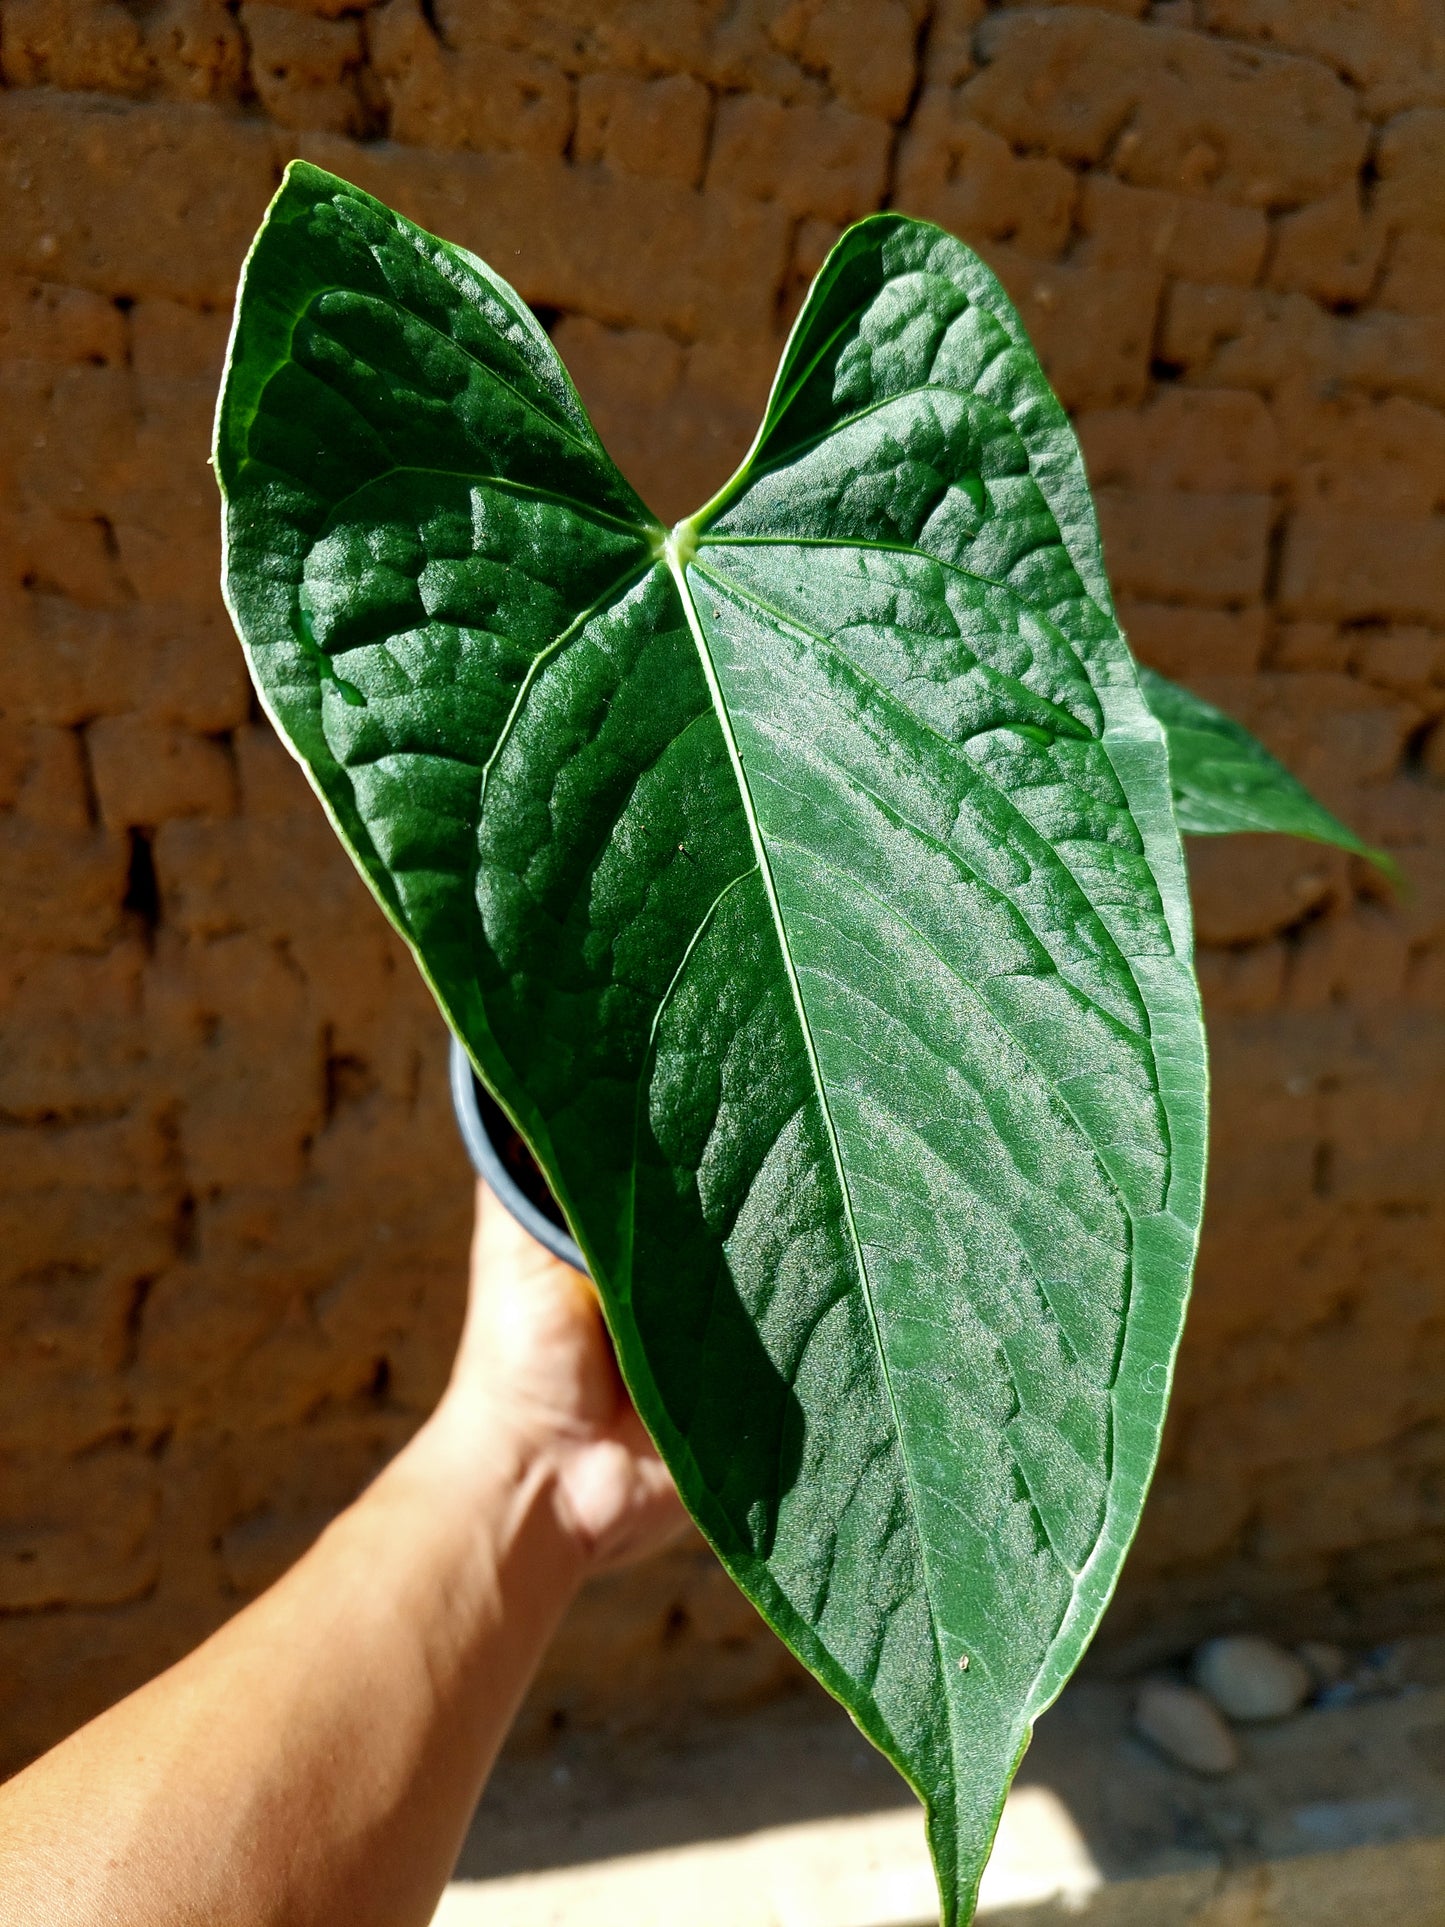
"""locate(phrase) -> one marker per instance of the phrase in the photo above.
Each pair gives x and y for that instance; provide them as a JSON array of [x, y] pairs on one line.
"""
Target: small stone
[[1249, 1678], [1185, 1727], [1324, 1661]]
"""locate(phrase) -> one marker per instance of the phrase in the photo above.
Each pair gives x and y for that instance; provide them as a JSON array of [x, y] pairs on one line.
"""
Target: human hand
[[536, 1369]]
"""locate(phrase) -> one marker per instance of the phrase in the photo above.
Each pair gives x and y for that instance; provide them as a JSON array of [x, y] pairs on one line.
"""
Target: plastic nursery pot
[[501, 1157]]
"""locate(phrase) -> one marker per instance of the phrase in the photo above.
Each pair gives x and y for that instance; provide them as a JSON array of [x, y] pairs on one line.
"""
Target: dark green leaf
[[805, 884], [1225, 780]]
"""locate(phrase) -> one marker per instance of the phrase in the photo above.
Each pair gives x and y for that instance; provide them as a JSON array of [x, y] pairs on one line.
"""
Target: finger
[[503, 1247], [527, 1306]]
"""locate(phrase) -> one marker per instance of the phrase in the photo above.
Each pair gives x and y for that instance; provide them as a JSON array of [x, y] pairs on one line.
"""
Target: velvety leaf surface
[[805, 884], [1225, 780]]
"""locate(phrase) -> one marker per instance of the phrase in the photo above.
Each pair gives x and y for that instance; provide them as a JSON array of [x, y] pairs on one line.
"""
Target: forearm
[[318, 1758]]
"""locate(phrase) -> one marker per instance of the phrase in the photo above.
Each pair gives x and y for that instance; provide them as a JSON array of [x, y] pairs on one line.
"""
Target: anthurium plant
[[805, 882]]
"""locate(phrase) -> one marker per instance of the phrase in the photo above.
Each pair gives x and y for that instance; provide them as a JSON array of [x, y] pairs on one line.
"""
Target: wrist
[[479, 1464]]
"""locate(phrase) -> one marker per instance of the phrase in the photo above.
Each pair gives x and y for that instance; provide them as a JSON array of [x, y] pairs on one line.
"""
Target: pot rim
[[487, 1162]]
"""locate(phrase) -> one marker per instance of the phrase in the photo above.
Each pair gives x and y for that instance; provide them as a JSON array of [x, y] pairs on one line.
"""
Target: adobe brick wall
[[234, 1210]]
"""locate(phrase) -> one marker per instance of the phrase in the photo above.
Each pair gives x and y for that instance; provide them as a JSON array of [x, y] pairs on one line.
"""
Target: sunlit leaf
[[805, 884], [1225, 780]]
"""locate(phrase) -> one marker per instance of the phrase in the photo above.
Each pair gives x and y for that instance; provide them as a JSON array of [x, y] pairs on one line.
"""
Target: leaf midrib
[[1077, 1579], [694, 623]]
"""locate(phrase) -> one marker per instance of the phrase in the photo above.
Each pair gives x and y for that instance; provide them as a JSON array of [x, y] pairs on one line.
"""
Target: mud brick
[[1130, 9], [1053, 81], [1425, 985], [866, 48], [72, 1040], [1311, 645], [237, 1013], [79, 1265], [734, 369], [1092, 327], [1242, 338], [1393, 58], [1296, 1402], [1246, 890], [1187, 643], [68, 434], [45, 322], [60, 557], [282, 877], [1353, 453], [214, 1329], [131, 200], [91, 1232], [1353, 567], [1184, 438], [1410, 661], [948, 50], [1383, 352], [470, 92], [173, 555], [1329, 250], [62, 44], [1254, 338], [167, 465], [173, 344], [43, 776], [1410, 192], [810, 160], [657, 128], [1208, 1518], [105, 1154], [1414, 280], [146, 772], [710, 422], [1350, 1502], [624, 251], [304, 68], [1244, 981], [1361, 956], [68, 889], [83, 1534], [1208, 240], [271, 781], [1171, 109], [331, 9], [629, 379], [1391, 1137], [967, 178], [1177, 547], [376, 1140], [65, 663], [1433, 755], [185, 49]]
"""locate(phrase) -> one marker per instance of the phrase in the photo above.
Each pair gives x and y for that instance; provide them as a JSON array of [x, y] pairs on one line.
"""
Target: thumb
[[502, 1245]]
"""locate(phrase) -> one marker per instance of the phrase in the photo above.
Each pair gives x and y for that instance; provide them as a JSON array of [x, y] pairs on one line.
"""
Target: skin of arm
[[317, 1759]]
